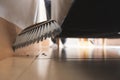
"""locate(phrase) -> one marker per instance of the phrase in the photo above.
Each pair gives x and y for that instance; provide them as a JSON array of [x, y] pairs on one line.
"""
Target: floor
[[65, 64]]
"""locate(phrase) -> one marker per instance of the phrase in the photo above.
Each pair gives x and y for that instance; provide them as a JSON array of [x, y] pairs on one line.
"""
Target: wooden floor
[[65, 64]]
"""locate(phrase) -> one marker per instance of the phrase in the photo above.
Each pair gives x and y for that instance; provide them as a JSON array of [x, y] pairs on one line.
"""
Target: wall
[[22, 12], [19, 12], [7, 37], [60, 9]]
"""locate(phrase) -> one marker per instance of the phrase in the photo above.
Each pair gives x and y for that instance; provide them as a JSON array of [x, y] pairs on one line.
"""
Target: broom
[[37, 32]]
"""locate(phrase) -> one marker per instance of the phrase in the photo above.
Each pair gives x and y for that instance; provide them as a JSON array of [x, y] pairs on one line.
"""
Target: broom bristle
[[37, 32]]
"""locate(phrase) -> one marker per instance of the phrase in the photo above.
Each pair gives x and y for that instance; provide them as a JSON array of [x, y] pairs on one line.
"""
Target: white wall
[[19, 12], [22, 12], [60, 9]]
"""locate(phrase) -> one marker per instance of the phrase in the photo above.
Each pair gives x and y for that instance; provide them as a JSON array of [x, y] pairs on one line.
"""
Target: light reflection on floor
[[76, 43], [87, 48], [82, 53]]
